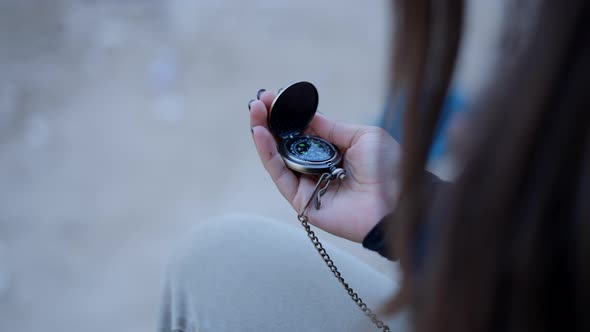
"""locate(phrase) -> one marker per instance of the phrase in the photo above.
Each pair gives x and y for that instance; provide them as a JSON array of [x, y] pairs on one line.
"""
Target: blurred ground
[[123, 123]]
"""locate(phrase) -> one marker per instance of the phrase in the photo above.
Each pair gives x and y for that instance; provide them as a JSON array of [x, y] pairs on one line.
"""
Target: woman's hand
[[370, 157]]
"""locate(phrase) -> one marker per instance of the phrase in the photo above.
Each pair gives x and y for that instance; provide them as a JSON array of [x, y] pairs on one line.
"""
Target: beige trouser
[[254, 274]]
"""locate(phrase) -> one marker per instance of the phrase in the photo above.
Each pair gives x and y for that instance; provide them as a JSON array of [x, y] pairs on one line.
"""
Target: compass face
[[311, 149], [309, 154]]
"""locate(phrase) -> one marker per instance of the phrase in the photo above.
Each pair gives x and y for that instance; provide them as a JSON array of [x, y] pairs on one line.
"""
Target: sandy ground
[[124, 123]]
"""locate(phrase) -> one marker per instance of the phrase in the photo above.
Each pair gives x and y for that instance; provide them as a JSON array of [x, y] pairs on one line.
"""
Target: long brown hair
[[509, 241]]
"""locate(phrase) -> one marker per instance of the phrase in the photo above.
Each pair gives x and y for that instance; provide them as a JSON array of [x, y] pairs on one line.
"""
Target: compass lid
[[293, 109]]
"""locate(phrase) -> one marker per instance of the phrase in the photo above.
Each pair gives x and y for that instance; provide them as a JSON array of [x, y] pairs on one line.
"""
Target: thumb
[[343, 135]]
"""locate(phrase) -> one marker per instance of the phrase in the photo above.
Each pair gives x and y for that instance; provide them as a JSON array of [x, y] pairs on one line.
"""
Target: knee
[[223, 233], [223, 244]]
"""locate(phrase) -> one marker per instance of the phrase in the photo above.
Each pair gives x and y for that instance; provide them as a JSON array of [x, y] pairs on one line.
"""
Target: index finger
[[259, 109]]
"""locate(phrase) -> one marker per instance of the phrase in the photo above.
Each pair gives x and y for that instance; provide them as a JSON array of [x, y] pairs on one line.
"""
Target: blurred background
[[123, 123]]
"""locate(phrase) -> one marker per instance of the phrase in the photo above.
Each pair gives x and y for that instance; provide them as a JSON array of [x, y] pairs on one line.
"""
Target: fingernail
[[259, 93], [250, 103]]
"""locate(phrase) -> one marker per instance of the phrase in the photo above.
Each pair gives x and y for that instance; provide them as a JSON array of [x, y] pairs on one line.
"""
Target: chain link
[[327, 178]]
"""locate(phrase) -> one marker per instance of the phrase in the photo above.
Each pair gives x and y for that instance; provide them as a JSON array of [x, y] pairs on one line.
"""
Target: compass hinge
[[290, 135]]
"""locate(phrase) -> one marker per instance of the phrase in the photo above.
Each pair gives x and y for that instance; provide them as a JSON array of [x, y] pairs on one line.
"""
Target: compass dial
[[311, 149]]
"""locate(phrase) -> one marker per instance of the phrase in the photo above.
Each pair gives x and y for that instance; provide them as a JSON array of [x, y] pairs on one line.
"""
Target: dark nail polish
[[259, 93], [250, 103], [252, 130]]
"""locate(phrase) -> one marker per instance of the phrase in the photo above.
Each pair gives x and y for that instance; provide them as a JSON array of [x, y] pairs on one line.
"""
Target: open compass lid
[[293, 109]]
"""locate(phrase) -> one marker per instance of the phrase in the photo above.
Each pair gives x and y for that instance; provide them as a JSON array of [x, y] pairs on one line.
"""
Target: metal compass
[[290, 113]]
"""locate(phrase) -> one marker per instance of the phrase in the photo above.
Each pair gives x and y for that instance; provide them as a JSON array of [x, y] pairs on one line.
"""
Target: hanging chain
[[320, 189]]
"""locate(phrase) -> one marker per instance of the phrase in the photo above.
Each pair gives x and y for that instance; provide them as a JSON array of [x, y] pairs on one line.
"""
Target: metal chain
[[326, 178]]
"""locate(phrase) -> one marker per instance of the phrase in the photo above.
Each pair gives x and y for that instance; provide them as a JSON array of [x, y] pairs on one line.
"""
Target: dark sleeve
[[375, 239]]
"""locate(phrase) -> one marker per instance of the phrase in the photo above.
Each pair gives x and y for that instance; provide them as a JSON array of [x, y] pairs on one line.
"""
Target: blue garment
[[454, 104]]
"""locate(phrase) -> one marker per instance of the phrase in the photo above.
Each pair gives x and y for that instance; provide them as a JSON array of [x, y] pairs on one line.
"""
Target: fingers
[[259, 109], [284, 179], [341, 134], [258, 114], [267, 97]]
